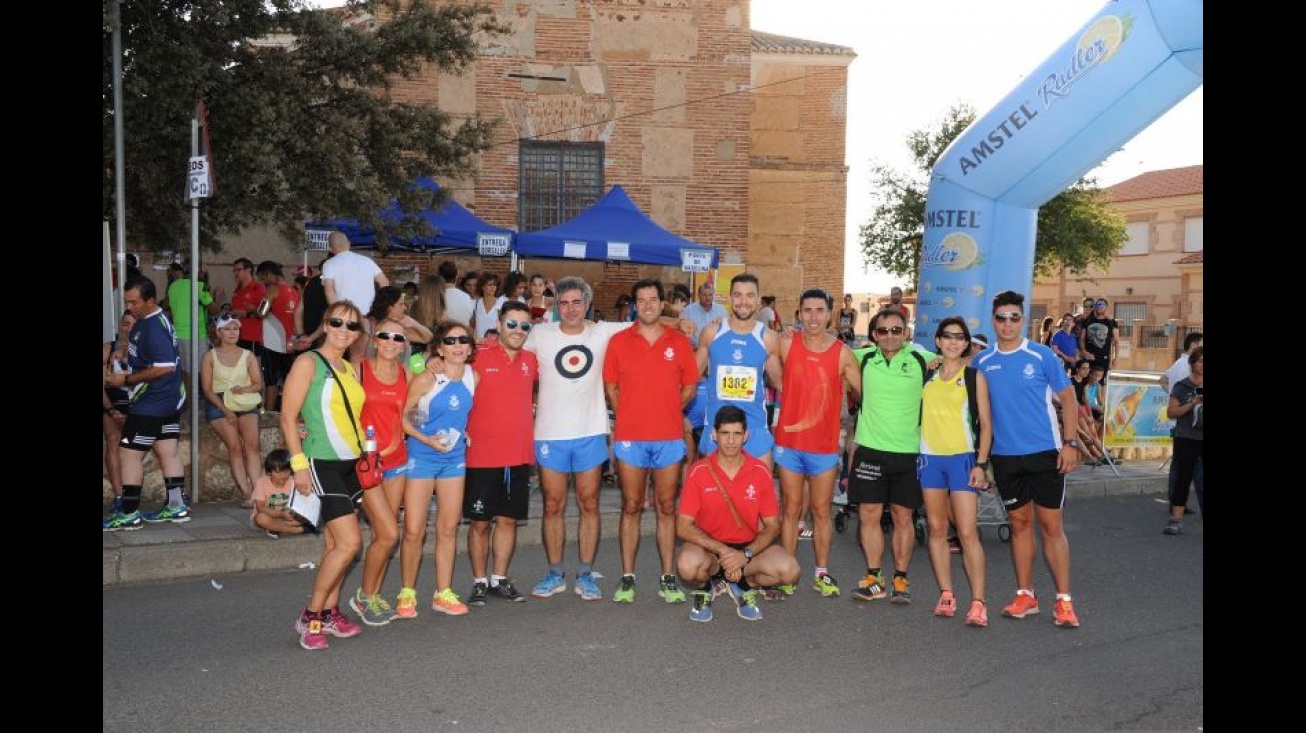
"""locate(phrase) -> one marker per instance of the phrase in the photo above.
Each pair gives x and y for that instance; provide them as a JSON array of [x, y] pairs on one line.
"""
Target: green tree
[[300, 119], [1077, 229]]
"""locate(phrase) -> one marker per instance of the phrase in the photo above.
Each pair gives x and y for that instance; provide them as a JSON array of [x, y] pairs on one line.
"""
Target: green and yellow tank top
[[330, 436]]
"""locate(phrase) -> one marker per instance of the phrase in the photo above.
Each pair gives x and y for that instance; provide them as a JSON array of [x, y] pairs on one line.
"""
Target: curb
[[254, 552]]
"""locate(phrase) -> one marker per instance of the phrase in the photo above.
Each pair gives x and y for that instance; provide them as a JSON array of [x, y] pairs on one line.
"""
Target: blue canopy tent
[[455, 228], [614, 229]]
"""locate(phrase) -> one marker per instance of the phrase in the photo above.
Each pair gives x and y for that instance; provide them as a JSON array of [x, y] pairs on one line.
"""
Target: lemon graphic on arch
[[977, 290], [926, 287], [967, 251], [1110, 30], [948, 302]]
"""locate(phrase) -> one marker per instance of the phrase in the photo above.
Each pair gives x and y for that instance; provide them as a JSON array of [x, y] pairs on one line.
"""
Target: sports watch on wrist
[[748, 554], [1072, 443]]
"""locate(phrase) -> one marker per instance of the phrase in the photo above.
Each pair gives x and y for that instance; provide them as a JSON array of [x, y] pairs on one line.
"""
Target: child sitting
[[1093, 394], [271, 492]]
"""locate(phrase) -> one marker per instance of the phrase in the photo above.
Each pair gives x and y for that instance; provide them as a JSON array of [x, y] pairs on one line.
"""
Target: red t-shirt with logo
[[649, 377], [247, 298], [752, 490], [501, 424]]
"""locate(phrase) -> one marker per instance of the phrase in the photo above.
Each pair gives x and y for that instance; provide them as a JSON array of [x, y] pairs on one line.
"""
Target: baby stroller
[[991, 513]]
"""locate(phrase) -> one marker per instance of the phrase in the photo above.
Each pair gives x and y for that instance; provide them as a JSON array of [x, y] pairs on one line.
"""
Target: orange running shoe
[[947, 605], [978, 615], [1025, 604], [1063, 614], [406, 605], [446, 601]]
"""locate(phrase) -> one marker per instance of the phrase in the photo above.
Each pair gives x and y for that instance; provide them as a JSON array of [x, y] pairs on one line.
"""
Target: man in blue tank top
[[739, 356]]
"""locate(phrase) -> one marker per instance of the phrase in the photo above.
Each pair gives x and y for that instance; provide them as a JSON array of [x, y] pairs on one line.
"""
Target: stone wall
[[215, 482]]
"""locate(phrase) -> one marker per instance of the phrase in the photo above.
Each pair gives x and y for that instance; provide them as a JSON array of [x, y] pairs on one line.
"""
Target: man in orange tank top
[[818, 368]]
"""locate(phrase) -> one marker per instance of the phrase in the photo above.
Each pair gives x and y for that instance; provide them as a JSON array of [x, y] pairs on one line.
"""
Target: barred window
[[1127, 313], [558, 181]]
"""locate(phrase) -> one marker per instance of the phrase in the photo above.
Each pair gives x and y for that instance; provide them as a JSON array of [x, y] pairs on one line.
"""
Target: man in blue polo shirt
[[154, 413], [1030, 458]]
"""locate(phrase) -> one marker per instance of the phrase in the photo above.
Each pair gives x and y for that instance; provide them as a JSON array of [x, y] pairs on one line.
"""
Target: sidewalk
[[219, 539]]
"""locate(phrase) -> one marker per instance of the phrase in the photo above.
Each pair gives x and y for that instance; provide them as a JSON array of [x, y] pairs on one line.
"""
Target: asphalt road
[[188, 656]]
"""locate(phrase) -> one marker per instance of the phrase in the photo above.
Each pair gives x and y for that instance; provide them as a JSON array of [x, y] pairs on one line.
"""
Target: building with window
[[1154, 284], [727, 136]]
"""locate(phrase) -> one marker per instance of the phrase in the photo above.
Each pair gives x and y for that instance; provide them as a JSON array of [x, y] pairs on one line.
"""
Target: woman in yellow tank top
[[232, 385], [952, 466]]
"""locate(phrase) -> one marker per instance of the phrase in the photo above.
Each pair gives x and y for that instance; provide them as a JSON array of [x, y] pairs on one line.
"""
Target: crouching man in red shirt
[[729, 520]]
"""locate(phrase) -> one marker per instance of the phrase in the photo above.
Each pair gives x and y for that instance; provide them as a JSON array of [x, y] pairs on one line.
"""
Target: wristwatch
[[748, 554], [1072, 443]]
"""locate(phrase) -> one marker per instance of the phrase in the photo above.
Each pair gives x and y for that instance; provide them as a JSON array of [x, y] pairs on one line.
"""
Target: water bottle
[[369, 445]]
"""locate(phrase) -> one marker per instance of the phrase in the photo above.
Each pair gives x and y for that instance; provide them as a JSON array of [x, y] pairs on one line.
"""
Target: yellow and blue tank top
[[945, 417]]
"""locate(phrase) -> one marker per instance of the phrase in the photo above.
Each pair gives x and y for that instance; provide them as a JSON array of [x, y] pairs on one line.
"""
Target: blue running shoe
[[702, 610], [588, 588], [748, 609], [118, 521], [550, 584], [174, 514], [117, 505]]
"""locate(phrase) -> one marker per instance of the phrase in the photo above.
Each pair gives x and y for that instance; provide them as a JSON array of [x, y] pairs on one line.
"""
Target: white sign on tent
[[695, 260], [316, 239]]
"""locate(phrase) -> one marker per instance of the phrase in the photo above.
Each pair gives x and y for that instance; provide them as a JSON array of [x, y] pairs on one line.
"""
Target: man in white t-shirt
[[353, 277], [571, 429], [1180, 370], [458, 305]]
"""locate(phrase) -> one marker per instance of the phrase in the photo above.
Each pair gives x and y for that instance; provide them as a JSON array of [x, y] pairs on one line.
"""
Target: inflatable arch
[[1129, 64]]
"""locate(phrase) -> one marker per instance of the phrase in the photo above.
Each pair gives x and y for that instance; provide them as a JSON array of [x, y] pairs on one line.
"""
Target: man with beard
[[739, 356]]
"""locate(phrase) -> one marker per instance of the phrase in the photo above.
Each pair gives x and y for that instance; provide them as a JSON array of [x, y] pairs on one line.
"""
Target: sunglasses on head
[[1008, 317], [523, 325], [953, 336], [338, 322], [451, 340], [885, 331], [398, 338]]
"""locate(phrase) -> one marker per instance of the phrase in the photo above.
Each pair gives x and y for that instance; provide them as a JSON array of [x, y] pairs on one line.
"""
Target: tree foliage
[[300, 118], [1077, 229]]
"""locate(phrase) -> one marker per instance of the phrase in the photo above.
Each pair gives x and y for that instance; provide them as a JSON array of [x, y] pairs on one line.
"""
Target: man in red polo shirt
[[650, 374], [245, 300], [501, 452], [729, 521]]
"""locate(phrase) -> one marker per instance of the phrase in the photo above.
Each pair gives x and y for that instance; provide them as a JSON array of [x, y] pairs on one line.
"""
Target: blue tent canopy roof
[[613, 228], [455, 227]]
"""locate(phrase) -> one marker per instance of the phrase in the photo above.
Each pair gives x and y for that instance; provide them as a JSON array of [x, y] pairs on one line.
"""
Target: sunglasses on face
[[338, 322], [451, 340], [523, 325], [952, 336], [398, 338], [895, 330], [1008, 317]]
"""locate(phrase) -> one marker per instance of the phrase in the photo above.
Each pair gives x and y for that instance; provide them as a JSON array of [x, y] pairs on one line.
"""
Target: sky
[[918, 58]]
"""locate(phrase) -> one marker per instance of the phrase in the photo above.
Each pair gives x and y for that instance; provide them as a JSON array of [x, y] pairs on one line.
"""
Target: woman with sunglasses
[[485, 311], [322, 389], [435, 420], [385, 384], [952, 465], [232, 384], [390, 304]]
